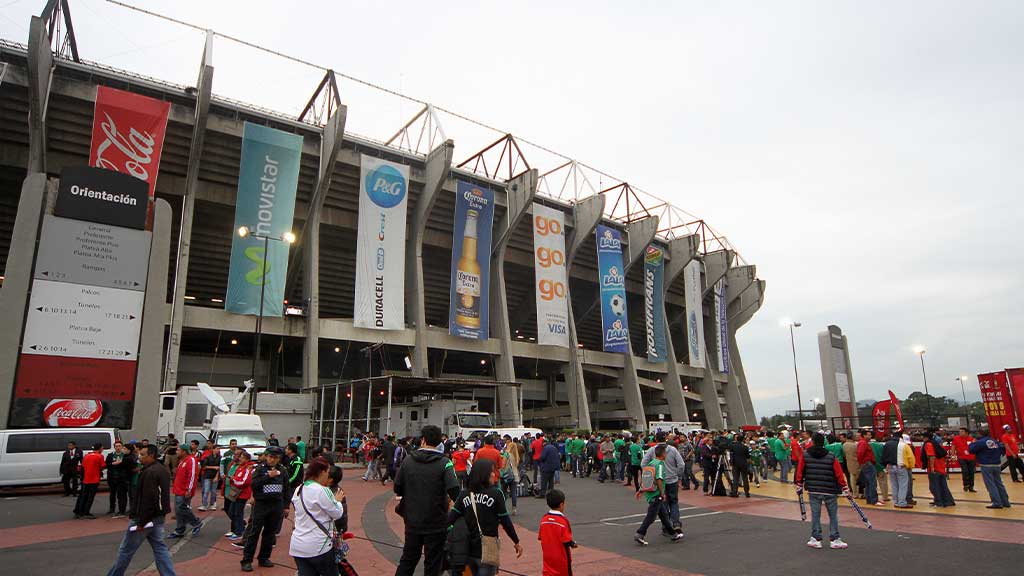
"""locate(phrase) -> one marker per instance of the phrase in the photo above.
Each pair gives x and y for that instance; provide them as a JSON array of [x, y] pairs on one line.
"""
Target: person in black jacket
[[740, 467], [387, 456], [819, 473], [425, 483], [120, 465], [270, 496], [151, 503], [69, 462]]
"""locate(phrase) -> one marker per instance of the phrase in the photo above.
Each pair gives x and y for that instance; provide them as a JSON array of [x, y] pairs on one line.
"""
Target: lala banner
[[722, 326], [694, 312], [1016, 377], [128, 134], [265, 204], [614, 322], [471, 261], [654, 304], [995, 395], [551, 279], [380, 251]]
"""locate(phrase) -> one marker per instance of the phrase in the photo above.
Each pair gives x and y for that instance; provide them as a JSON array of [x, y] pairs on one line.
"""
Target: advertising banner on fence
[[551, 280], [722, 326], [265, 204], [471, 261], [1016, 377], [614, 321], [995, 395], [694, 291], [128, 134], [654, 304], [380, 251]]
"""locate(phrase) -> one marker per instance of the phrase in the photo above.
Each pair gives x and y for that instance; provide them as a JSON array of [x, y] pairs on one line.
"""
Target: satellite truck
[[188, 421], [452, 416]]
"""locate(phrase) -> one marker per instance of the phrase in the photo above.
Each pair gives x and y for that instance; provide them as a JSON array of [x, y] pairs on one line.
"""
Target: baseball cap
[[274, 451], [1006, 426]]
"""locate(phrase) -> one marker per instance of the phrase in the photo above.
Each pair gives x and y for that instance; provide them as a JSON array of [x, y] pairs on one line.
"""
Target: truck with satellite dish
[[453, 416]]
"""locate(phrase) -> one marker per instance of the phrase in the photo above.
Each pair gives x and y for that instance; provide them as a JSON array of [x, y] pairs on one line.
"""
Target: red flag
[[880, 418], [128, 134], [896, 409], [1016, 376], [995, 395]]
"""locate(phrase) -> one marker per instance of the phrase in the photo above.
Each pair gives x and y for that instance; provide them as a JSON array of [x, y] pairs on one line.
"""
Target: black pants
[[547, 482], [709, 475], [656, 509], [415, 546], [322, 565], [118, 495], [967, 469], [70, 482], [740, 474], [265, 519], [85, 497], [1015, 464], [634, 476]]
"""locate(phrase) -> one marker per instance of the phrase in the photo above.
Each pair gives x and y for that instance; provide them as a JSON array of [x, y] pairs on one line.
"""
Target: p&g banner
[[380, 251], [654, 304], [471, 261], [614, 322]]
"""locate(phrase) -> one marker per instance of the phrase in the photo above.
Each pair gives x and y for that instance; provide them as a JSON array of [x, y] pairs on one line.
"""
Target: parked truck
[[454, 417]]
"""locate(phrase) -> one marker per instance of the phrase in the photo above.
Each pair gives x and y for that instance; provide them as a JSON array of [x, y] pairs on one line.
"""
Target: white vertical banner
[[722, 326], [694, 312], [551, 278], [380, 250]]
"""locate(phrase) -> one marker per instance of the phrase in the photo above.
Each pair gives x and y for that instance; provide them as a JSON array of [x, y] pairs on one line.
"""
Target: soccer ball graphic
[[618, 304]]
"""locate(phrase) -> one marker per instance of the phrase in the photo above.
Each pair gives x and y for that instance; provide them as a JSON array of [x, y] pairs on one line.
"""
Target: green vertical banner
[[267, 180]]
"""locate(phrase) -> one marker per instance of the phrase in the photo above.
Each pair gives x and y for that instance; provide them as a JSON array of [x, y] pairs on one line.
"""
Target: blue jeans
[[867, 474], [209, 497], [183, 512], [994, 485], [622, 469], [672, 501], [785, 463], [131, 542], [898, 482], [831, 502]]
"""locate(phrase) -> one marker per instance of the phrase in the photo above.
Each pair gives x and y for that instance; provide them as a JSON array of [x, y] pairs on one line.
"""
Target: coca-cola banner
[[128, 134], [995, 395]]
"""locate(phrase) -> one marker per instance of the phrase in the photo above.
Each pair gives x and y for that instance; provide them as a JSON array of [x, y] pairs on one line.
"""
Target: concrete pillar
[[737, 279], [17, 281], [716, 264], [40, 73], [147, 379], [439, 164], [640, 233], [330, 146], [741, 311], [195, 154], [680, 252], [519, 195], [586, 214]]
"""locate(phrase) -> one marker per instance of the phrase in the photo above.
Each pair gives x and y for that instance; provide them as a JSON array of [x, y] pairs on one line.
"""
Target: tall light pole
[[287, 238], [920, 350], [796, 375], [962, 389]]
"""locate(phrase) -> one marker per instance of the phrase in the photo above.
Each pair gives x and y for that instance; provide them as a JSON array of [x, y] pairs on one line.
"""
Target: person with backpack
[[652, 486], [317, 508], [819, 474], [483, 506], [934, 460], [509, 472]]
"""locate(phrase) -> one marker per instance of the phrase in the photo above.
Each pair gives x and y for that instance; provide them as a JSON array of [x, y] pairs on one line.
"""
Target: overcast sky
[[864, 155]]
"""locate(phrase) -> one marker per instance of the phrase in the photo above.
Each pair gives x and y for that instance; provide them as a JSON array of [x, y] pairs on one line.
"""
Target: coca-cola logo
[[136, 150], [72, 413]]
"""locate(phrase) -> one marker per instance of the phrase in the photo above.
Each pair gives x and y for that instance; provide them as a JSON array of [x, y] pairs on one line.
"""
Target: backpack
[[648, 479]]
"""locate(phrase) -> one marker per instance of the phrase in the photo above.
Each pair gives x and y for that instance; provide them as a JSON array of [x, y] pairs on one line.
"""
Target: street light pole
[[924, 375], [962, 390], [258, 335], [796, 375]]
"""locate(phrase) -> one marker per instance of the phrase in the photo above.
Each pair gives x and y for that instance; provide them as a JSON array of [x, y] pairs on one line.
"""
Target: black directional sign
[[102, 196]]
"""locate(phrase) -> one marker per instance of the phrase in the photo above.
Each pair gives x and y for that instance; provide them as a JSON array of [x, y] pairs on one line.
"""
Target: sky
[[863, 155]]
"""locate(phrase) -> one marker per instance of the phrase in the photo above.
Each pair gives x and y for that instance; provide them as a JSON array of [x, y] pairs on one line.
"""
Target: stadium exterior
[[45, 125]]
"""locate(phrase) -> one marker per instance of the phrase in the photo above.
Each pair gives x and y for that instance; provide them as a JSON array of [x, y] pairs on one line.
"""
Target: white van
[[32, 456]]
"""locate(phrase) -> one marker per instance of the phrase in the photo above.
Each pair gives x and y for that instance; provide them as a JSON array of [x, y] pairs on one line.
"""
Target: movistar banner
[[471, 261], [380, 247], [265, 204], [614, 322], [693, 288], [654, 303], [722, 326]]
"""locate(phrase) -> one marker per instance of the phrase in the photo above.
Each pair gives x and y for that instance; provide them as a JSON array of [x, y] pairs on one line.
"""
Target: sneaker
[[814, 543], [266, 563], [993, 507], [197, 528], [214, 507], [513, 510], [202, 508], [677, 536], [640, 540], [229, 534], [174, 536], [246, 566], [239, 546], [880, 503], [118, 515], [838, 544], [88, 517]]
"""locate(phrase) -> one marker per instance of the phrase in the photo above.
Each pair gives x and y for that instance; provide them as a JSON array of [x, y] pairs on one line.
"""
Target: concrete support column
[[737, 279], [195, 154], [439, 164], [640, 233], [146, 407], [40, 73], [519, 195], [741, 310], [716, 265], [330, 146], [680, 252], [586, 214], [17, 280]]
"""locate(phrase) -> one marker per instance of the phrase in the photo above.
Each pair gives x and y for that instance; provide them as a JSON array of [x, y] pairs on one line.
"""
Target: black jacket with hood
[[426, 481]]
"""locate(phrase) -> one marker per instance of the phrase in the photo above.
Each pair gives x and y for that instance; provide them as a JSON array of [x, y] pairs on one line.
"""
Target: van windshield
[[475, 421], [245, 438]]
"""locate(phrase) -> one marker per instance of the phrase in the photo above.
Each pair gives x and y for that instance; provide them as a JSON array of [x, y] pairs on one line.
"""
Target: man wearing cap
[[988, 453], [270, 497], [1013, 460]]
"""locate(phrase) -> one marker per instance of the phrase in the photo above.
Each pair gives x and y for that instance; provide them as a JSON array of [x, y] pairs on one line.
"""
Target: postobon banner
[[654, 304], [551, 280], [614, 322], [380, 252], [267, 179], [471, 261], [694, 312], [722, 326]]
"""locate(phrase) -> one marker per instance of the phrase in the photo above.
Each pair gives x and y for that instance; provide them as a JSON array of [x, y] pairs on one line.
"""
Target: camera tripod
[[724, 462]]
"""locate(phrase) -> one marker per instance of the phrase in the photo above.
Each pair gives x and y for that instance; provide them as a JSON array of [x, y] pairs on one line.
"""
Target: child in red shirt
[[555, 535], [460, 460]]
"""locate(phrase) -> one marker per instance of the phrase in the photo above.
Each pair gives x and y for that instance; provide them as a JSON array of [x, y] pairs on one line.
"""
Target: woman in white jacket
[[316, 509]]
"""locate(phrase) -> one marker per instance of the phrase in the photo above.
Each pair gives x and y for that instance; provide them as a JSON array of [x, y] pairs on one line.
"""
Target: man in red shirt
[[965, 458], [186, 478], [92, 465], [1013, 460], [489, 452], [868, 474], [938, 482], [460, 460], [555, 535], [536, 447]]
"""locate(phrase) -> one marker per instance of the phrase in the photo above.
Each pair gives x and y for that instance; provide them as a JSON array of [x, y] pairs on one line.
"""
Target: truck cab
[[246, 429]]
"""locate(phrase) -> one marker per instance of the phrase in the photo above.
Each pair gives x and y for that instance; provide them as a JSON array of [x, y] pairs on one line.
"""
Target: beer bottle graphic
[[467, 277]]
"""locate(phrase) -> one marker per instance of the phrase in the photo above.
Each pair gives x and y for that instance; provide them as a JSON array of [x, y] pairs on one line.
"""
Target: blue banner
[[265, 204], [654, 304], [471, 261], [614, 322]]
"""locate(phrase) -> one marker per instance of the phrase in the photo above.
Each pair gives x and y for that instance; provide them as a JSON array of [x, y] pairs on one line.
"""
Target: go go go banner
[[694, 312], [265, 204], [380, 250], [614, 322], [654, 304], [471, 261], [551, 279]]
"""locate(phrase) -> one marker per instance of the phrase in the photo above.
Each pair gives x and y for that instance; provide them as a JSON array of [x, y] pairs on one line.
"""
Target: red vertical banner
[[896, 409], [1016, 377], [128, 134], [880, 418], [995, 395]]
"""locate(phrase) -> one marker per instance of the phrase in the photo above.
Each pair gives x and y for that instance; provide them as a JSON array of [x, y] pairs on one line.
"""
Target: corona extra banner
[[380, 251], [265, 205], [551, 279], [614, 321], [722, 326], [471, 261], [694, 312], [128, 134], [995, 395], [654, 304]]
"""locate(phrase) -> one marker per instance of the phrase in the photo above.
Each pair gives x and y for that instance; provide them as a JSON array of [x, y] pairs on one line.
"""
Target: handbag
[[233, 492], [490, 549], [332, 535]]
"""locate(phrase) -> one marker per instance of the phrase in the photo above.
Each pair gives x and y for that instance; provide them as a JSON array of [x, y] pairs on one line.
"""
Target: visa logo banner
[[614, 317]]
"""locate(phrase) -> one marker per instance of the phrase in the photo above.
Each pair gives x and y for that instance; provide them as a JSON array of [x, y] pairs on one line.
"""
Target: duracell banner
[[102, 196]]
